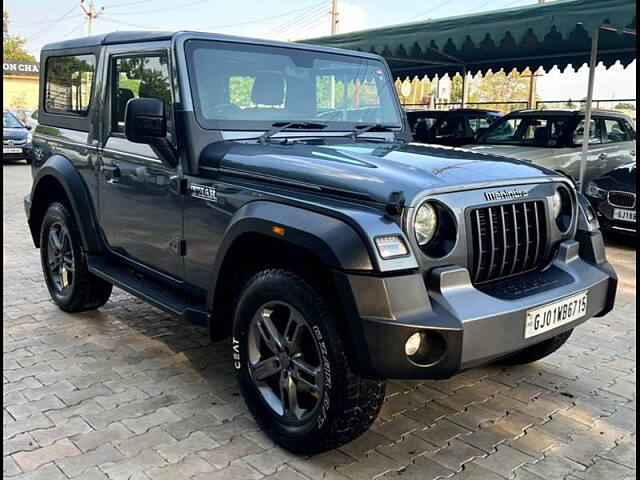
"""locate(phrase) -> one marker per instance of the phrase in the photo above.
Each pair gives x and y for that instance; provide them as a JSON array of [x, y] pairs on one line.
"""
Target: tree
[[13, 46]]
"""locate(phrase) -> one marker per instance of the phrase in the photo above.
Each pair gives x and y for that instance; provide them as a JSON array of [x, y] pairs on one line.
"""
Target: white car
[[553, 139]]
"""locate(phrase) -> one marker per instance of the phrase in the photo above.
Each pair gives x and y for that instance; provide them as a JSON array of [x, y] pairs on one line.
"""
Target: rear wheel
[[538, 351], [71, 286], [292, 369]]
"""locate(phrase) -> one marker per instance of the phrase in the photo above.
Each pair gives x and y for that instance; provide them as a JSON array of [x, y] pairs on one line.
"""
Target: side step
[[152, 292]]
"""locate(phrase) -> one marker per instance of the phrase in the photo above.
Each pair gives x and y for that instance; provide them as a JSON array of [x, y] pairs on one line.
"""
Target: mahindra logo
[[505, 195]]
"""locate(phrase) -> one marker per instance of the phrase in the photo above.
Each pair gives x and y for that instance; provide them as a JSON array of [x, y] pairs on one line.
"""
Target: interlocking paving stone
[[132, 392]]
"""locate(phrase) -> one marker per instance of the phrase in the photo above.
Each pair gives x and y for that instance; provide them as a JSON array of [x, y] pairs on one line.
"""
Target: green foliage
[[13, 46]]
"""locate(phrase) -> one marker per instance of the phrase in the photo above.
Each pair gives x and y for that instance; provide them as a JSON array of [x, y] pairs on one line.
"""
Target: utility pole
[[334, 17], [91, 13]]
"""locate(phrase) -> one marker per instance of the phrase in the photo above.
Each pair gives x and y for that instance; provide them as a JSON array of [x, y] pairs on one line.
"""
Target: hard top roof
[[123, 37], [463, 110], [567, 111]]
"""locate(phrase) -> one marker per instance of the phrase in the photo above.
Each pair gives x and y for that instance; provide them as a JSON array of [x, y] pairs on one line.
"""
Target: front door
[[140, 202]]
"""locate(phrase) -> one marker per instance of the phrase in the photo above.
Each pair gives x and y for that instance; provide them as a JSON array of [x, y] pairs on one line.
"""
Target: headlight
[[562, 204], [593, 191], [557, 204], [425, 224]]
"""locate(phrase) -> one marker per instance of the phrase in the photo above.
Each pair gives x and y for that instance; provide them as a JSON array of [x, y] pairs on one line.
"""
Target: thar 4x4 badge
[[271, 193]]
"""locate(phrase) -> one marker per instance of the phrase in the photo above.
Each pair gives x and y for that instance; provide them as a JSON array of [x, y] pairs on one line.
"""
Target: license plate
[[624, 215], [552, 315], [11, 150]]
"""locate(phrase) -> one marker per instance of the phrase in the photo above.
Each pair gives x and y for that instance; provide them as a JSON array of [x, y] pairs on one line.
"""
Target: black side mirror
[[28, 127], [145, 121]]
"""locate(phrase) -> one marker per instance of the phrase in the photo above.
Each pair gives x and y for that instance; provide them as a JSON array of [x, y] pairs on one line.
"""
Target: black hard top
[[123, 37], [454, 110]]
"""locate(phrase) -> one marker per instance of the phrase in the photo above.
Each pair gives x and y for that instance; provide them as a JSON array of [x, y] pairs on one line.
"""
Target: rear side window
[[68, 84], [476, 123]]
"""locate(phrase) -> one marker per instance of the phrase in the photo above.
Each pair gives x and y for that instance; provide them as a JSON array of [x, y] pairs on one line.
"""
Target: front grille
[[15, 142], [622, 199], [507, 240]]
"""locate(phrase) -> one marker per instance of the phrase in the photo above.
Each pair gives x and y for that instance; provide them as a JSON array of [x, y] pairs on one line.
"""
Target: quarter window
[[68, 84], [140, 77], [616, 131]]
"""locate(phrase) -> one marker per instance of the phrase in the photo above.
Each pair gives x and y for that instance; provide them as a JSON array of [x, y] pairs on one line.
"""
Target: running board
[[157, 295]]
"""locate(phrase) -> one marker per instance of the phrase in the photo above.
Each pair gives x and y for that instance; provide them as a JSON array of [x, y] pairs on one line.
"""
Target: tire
[[344, 405], [76, 289], [537, 351]]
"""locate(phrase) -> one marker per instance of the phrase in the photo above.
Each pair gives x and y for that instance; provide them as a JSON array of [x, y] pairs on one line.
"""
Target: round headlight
[[425, 224], [557, 204]]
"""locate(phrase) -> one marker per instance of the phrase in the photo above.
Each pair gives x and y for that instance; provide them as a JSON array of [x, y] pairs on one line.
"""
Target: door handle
[[602, 156], [632, 153], [111, 173]]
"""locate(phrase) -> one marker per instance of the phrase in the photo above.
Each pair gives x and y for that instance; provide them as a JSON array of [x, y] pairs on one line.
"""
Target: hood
[[14, 133], [370, 170], [621, 179], [514, 151]]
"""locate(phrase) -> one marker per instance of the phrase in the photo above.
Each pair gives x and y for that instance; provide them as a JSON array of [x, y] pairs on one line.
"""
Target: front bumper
[[471, 325], [604, 210]]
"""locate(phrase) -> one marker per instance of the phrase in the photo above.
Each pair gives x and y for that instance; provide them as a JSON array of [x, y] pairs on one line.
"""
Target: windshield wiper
[[375, 127], [281, 126]]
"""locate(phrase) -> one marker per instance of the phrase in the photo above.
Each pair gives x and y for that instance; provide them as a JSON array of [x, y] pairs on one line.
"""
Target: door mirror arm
[[145, 121]]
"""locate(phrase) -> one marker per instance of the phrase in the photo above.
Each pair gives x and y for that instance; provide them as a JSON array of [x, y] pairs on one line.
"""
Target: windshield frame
[[189, 87], [563, 141]]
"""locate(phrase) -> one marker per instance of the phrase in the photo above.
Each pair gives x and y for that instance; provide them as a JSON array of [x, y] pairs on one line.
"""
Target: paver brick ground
[[127, 391]]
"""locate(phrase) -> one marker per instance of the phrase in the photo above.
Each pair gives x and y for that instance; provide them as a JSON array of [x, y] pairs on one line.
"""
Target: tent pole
[[465, 87], [587, 113]]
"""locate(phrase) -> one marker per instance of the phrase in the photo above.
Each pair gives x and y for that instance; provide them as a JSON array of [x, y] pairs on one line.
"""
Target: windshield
[[238, 86], [9, 121], [529, 130]]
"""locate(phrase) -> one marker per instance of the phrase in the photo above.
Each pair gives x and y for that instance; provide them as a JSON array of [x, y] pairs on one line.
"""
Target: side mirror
[[28, 127], [145, 121]]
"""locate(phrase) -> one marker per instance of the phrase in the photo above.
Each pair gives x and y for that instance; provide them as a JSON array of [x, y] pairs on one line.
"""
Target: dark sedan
[[614, 198], [16, 144], [455, 127]]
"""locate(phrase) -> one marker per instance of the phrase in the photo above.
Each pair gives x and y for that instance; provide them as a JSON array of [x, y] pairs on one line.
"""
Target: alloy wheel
[[60, 257], [285, 361]]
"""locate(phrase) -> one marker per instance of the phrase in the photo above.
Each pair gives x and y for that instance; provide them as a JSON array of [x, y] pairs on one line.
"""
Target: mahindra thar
[[270, 192]]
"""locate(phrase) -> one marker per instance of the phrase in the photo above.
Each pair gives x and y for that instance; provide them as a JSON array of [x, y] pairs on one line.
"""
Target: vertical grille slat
[[507, 240]]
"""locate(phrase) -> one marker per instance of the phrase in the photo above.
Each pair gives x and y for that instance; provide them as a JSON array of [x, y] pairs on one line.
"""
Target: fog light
[[413, 344]]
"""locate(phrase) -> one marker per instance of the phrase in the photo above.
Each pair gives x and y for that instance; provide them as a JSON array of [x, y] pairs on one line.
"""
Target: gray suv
[[269, 192]]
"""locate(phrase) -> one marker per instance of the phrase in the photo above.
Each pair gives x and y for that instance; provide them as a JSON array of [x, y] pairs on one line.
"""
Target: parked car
[[455, 127], [553, 139], [16, 142], [613, 196], [300, 221]]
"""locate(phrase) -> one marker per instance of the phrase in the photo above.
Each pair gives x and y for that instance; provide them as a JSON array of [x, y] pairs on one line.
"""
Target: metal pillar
[[587, 113], [465, 87]]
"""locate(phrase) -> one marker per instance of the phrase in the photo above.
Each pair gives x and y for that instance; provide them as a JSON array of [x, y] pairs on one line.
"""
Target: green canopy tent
[[539, 36]]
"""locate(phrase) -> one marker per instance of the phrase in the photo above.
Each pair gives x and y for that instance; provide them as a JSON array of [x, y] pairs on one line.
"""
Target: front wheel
[[292, 369]]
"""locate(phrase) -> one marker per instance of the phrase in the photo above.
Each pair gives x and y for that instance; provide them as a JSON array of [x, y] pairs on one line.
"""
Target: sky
[[44, 21]]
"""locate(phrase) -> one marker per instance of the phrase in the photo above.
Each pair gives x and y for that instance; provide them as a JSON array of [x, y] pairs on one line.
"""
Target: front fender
[[334, 241], [75, 189]]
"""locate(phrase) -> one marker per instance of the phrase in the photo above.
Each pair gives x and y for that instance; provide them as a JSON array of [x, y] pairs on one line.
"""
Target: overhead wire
[[429, 10], [295, 32], [310, 10], [67, 15]]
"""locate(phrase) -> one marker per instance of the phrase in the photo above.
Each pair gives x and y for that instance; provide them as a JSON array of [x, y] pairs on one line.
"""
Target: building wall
[[20, 91]]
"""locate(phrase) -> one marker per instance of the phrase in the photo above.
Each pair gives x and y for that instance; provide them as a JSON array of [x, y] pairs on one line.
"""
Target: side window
[[68, 84], [595, 135], [630, 129], [616, 131], [139, 77], [476, 123], [453, 126]]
